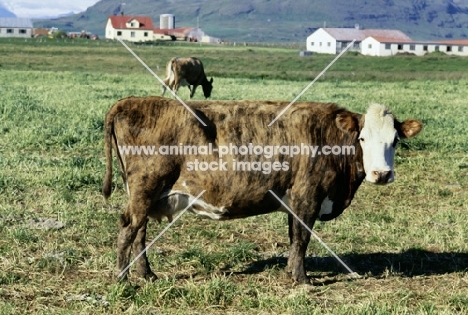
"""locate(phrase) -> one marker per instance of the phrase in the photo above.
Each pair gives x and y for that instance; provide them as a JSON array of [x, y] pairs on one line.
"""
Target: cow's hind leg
[[132, 234], [128, 229], [138, 247]]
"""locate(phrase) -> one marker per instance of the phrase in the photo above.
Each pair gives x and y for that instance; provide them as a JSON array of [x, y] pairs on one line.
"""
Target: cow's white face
[[378, 139]]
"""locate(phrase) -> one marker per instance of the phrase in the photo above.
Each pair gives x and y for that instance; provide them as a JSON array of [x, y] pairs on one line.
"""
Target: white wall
[[15, 32], [321, 42], [196, 33], [371, 47], [448, 49]]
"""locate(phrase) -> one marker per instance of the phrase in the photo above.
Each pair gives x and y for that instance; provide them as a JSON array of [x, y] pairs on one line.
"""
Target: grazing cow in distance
[[187, 72], [315, 186]]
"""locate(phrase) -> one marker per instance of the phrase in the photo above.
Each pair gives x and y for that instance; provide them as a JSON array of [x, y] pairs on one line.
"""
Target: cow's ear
[[211, 80], [347, 121], [409, 128]]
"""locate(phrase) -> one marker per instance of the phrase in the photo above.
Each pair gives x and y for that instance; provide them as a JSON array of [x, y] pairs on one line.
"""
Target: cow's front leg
[[138, 247], [299, 238]]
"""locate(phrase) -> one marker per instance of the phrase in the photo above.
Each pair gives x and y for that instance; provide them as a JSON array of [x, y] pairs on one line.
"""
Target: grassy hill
[[285, 20]]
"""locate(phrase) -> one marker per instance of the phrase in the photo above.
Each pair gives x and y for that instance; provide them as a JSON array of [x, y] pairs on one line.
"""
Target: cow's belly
[[174, 201]]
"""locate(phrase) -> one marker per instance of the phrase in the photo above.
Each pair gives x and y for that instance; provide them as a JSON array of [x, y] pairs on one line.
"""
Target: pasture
[[407, 240]]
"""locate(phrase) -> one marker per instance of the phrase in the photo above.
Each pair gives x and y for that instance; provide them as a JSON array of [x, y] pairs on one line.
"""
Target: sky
[[46, 8]]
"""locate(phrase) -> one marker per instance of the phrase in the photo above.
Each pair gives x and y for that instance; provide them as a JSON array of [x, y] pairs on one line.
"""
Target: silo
[[166, 21]]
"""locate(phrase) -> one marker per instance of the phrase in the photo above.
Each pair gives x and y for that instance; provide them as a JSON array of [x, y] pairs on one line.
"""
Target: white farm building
[[374, 42], [372, 46], [334, 40], [15, 27]]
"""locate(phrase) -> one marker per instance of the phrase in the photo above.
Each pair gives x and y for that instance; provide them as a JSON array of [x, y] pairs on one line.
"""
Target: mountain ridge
[[284, 20], [4, 12]]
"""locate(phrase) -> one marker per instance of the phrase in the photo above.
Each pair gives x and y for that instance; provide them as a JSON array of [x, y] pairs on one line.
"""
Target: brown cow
[[186, 72], [315, 186]]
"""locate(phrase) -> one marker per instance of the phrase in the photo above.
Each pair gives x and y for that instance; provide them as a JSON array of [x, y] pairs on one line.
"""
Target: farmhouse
[[141, 28], [375, 42], [130, 28], [15, 27]]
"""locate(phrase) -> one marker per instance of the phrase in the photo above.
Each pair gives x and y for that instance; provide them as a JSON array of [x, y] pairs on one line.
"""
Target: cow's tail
[[169, 80], [109, 136]]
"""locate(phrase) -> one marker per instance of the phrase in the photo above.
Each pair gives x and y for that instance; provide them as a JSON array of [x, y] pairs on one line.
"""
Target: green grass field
[[408, 240]]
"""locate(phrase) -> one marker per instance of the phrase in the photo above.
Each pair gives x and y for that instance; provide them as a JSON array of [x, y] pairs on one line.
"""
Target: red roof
[[463, 42], [381, 39], [178, 32], [120, 22]]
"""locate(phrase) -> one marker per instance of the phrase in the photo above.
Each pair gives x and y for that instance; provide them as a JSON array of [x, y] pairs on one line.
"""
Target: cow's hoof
[[123, 278], [301, 280], [150, 276]]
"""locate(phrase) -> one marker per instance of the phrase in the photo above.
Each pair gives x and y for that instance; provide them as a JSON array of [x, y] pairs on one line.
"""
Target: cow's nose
[[382, 177]]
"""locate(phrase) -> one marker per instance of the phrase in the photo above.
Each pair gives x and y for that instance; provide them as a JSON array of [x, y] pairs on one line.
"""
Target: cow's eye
[[361, 139]]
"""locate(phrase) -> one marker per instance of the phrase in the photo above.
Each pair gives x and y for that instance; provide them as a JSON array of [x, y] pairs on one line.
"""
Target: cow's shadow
[[413, 262]]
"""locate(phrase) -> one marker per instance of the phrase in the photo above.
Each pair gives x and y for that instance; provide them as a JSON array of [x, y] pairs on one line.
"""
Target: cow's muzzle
[[382, 177]]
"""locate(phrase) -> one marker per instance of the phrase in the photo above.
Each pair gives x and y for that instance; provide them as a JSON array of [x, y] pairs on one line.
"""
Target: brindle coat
[[137, 121]]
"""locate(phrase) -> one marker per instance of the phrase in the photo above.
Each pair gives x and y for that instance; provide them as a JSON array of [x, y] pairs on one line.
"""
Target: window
[[369, 46], [132, 34], [9, 31], [320, 44], [425, 47], [449, 48], [145, 34], [119, 33], [400, 47], [22, 31], [460, 48], [412, 47], [356, 45], [328, 44], [132, 24], [388, 46], [311, 43], [436, 48]]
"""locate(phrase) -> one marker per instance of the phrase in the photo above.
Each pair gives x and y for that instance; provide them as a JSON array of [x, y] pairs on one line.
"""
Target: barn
[[379, 46], [15, 27]]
